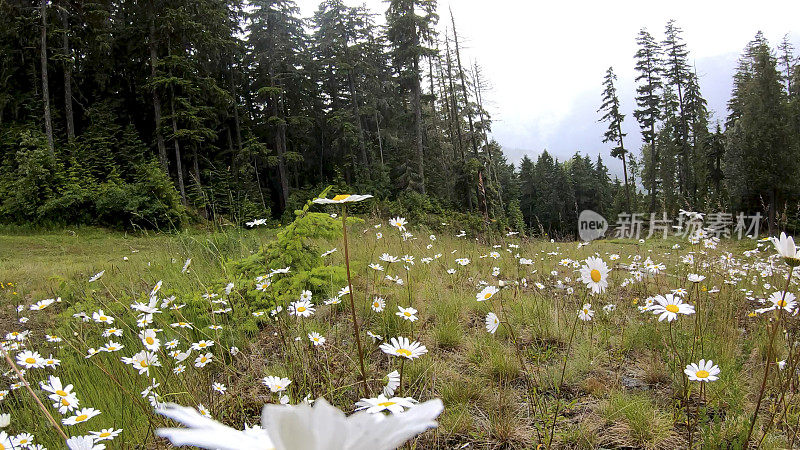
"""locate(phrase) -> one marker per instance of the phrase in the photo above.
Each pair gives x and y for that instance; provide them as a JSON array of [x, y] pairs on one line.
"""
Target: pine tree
[[409, 34], [611, 114], [787, 61], [761, 152], [48, 121], [677, 76], [276, 39], [648, 101], [696, 109]]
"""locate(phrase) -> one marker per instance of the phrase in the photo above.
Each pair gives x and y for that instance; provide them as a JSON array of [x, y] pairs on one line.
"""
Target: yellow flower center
[[585, 311], [407, 314], [339, 198], [404, 352], [672, 308], [30, 360], [203, 359], [81, 418], [143, 363], [149, 340], [104, 434], [376, 304], [596, 276], [61, 393], [701, 374], [386, 404], [487, 295], [301, 308], [64, 402], [782, 303], [103, 318]]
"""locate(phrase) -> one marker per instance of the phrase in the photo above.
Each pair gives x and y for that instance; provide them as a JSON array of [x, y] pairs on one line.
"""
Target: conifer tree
[[410, 34], [611, 114], [648, 101], [761, 151], [677, 76]]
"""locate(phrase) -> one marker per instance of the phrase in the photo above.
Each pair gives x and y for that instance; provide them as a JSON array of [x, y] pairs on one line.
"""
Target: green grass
[[499, 390]]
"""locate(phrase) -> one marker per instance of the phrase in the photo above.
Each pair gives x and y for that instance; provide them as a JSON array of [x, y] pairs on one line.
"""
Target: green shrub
[[294, 247]]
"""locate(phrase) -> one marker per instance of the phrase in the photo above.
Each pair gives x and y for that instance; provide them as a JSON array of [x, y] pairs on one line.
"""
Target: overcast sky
[[545, 60]]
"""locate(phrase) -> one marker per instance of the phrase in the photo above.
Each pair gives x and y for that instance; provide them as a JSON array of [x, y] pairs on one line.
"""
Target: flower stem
[[356, 331], [561, 383], [38, 402], [772, 334]]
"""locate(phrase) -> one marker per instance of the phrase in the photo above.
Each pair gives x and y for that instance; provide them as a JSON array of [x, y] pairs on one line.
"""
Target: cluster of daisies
[[29, 365]]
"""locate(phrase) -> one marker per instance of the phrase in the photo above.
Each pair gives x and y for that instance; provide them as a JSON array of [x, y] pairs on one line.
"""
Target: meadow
[[529, 343]]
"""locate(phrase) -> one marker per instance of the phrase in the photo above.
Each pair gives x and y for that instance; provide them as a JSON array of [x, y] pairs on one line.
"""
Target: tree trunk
[[464, 87], [196, 176], [235, 155], [178, 165], [67, 77], [624, 166], [456, 114], [378, 130], [771, 213], [456, 118], [357, 112], [162, 148], [280, 142], [48, 124], [653, 162], [492, 168], [418, 126]]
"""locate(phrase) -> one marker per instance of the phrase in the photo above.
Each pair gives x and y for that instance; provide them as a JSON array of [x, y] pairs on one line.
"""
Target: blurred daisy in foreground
[[303, 427]]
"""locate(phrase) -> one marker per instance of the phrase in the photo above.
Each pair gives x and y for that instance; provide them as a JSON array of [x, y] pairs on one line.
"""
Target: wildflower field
[[528, 343]]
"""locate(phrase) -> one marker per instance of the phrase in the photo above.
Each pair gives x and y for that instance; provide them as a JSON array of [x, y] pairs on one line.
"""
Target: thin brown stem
[[772, 334], [33, 394], [356, 331]]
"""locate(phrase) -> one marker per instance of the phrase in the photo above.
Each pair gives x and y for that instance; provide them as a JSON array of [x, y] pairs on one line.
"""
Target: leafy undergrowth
[[615, 380]]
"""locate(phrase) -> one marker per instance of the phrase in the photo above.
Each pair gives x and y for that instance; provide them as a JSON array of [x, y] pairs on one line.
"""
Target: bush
[[294, 247], [38, 189]]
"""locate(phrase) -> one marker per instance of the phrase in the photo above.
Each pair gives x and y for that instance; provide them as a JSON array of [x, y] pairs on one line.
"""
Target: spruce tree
[[648, 101], [761, 151], [677, 76], [611, 114]]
